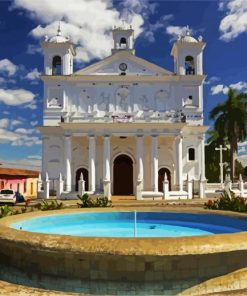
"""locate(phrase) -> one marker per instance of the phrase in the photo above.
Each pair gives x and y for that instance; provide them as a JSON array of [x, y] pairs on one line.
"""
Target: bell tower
[[58, 55], [187, 52], [123, 37]]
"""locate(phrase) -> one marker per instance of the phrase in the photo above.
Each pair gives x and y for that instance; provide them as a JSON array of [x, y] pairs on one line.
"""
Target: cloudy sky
[[23, 24]]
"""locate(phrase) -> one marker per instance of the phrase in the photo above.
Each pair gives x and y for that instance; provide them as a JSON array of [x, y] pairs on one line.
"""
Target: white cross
[[221, 162]]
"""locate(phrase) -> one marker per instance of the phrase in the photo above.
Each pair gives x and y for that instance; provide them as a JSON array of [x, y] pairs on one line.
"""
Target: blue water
[[121, 224]]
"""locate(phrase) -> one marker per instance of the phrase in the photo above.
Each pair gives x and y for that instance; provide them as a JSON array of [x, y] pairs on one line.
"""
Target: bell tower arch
[[58, 54], [123, 37]]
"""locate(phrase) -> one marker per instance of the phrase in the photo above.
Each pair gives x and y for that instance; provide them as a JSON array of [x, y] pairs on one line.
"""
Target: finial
[[60, 178], [187, 31], [81, 177], [59, 29], [165, 178], [200, 38], [46, 177]]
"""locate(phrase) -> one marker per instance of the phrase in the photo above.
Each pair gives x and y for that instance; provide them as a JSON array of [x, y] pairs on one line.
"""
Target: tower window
[[123, 42], [189, 65], [191, 154], [57, 65]]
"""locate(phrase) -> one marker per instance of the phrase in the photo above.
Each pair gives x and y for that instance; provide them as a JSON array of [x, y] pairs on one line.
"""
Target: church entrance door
[[162, 172], [85, 177], [123, 175]]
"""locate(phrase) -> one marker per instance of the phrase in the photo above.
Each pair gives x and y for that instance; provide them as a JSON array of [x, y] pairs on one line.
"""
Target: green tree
[[231, 122]]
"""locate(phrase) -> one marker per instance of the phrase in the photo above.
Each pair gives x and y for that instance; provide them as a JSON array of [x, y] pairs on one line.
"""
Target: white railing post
[[166, 187], [189, 187], [81, 185], [202, 187], [241, 186], [59, 189], [46, 187]]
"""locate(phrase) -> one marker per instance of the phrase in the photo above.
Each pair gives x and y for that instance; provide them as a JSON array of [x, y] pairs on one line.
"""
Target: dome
[[188, 38], [58, 38]]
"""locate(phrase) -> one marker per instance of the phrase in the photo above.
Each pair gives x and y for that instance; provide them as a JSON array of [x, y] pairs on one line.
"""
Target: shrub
[[5, 211], [88, 202], [46, 206], [227, 201]]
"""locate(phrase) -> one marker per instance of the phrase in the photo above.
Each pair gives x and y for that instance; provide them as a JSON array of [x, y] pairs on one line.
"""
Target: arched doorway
[[123, 175], [85, 177], [162, 172]]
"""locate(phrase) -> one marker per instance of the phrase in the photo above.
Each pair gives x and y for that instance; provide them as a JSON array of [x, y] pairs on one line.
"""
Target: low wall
[[170, 265]]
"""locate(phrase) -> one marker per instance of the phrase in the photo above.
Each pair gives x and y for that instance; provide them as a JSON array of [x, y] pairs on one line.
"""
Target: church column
[[92, 156], [179, 169], [106, 167], [67, 158], [154, 163], [140, 174]]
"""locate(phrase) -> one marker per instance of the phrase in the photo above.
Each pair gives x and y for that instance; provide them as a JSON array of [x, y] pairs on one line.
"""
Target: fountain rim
[[126, 246]]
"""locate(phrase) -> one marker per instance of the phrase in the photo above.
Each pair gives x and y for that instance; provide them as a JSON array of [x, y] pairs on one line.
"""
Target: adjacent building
[[23, 181]]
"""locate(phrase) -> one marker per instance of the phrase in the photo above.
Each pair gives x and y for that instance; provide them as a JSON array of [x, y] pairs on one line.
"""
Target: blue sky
[[23, 24]]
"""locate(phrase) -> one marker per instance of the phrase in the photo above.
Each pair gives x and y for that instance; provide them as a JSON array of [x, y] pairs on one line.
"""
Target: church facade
[[123, 124]]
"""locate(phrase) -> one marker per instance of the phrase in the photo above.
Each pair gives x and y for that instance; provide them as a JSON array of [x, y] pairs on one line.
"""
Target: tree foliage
[[231, 122]]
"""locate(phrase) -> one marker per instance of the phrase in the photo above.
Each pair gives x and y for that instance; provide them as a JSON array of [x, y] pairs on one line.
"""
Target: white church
[[123, 126]]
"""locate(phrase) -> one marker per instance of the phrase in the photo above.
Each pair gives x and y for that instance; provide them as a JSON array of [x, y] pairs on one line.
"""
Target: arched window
[[123, 42], [189, 65], [57, 65], [191, 154]]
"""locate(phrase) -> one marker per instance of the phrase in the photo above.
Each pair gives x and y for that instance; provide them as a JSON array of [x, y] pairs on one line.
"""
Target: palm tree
[[231, 122]]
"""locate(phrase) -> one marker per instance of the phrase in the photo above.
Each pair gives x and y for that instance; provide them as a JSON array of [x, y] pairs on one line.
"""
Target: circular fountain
[[163, 252]]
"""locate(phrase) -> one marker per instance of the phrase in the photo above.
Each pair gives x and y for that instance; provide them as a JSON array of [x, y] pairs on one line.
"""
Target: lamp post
[[221, 148]]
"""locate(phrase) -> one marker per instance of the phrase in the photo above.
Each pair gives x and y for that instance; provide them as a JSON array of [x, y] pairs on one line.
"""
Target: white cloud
[[88, 23], [4, 123], [219, 88], [15, 97], [2, 80], [33, 75], [32, 105], [240, 86], [32, 162], [235, 22], [34, 123], [175, 31], [6, 66], [211, 80], [24, 131], [19, 137], [33, 49], [16, 122]]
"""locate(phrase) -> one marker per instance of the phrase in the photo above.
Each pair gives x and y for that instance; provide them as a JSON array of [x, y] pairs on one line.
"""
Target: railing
[[139, 116]]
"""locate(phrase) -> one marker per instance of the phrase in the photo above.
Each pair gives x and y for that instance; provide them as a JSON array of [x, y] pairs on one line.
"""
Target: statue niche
[[55, 103], [104, 100], [161, 99], [122, 99], [85, 102], [144, 103]]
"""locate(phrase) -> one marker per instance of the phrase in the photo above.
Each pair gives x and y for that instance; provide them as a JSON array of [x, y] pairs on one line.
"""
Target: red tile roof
[[18, 172]]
